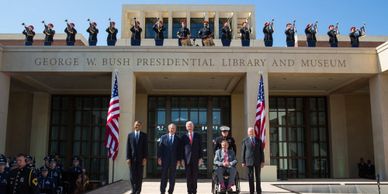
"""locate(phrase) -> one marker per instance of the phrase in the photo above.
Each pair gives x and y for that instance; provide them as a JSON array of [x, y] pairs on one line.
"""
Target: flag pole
[[113, 170]]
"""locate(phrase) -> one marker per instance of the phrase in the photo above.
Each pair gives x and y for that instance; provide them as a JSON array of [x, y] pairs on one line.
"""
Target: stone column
[[250, 101], [170, 24], [253, 24], [40, 125], [188, 17], [339, 137], [5, 82], [378, 87], [142, 23], [234, 25], [216, 25], [127, 93]]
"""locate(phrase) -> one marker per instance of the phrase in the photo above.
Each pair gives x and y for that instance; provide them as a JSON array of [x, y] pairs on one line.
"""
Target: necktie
[[226, 156], [253, 141], [191, 138], [171, 139], [137, 137]]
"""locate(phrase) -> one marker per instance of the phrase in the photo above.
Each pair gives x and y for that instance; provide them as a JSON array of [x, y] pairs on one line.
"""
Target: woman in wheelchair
[[225, 160]]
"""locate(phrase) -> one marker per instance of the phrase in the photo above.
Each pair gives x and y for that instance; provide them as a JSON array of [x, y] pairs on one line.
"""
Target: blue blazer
[[169, 153]]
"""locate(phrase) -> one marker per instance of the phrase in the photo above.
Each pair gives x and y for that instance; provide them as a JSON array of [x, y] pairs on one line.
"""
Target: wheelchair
[[216, 186]]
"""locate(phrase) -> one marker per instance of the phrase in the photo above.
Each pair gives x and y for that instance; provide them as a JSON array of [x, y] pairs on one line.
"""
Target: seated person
[[225, 160]]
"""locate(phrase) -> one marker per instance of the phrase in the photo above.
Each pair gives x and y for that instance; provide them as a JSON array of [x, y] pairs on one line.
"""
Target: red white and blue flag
[[260, 113], [112, 123]]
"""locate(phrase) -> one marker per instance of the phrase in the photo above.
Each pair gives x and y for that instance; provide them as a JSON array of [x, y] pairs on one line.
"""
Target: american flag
[[112, 123], [260, 112]]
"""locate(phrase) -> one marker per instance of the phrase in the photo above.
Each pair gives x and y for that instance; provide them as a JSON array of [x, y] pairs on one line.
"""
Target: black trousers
[[168, 173], [136, 176], [192, 177], [268, 43], [254, 172]]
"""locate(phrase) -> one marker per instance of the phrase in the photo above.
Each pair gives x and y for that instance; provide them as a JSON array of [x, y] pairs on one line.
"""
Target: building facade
[[326, 107]]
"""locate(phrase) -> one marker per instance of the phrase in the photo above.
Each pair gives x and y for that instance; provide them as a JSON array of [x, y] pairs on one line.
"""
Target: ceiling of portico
[[191, 83]]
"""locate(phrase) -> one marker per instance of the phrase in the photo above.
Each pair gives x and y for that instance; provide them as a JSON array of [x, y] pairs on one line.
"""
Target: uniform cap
[[76, 158], [266, 23], [225, 128], [50, 24], [31, 26], [3, 160]]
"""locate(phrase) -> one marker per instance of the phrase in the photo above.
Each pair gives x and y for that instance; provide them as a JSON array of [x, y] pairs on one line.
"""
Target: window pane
[[273, 117]]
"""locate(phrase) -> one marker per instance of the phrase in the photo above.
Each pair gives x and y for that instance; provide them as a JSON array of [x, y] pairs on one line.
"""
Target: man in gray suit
[[225, 160], [253, 159]]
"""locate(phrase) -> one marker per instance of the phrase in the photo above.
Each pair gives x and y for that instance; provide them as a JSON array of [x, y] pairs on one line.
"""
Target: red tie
[[226, 156], [191, 138]]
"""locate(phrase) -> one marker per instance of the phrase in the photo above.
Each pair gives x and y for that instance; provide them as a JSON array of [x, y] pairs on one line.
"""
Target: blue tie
[[137, 137]]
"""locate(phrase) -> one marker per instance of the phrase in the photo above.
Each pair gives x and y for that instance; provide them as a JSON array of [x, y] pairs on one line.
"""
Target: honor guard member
[[268, 31], [136, 34], [55, 173], [46, 183], [60, 166], [72, 174], [3, 175], [290, 35], [71, 32], [310, 36], [355, 35], [29, 33], [159, 33], [205, 34], [225, 135], [332, 33], [112, 34], [226, 34], [23, 180], [93, 32], [183, 33], [245, 33], [49, 34]]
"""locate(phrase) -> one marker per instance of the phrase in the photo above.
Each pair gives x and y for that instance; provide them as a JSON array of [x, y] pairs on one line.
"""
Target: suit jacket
[[219, 157], [252, 155], [137, 151], [169, 154], [191, 152]]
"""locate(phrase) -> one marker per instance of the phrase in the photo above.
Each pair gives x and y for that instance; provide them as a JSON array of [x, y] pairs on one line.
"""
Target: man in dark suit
[[136, 156], [253, 159], [169, 156], [191, 143]]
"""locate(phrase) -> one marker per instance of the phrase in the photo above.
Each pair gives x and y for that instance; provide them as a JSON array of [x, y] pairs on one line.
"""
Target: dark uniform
[[112, 36], [355, 38], [183, 33], [333, 40], [49, 36], [23, 181], [204, 33], [46, 184], [245, 36], [226, 36], [70, 38], [159, 34], [93, 32], [72, 175], [290, 37], [310, 36], [268, 38], [29, 37], [3, 176], [231, 142], [136, 36], [56, 176]]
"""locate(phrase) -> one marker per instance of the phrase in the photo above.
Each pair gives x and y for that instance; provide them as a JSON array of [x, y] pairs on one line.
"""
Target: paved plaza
[[297, 186]]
